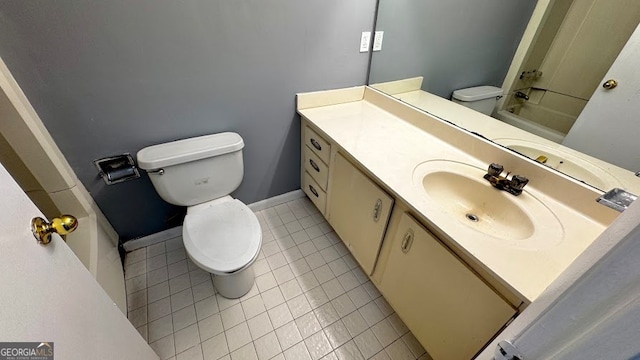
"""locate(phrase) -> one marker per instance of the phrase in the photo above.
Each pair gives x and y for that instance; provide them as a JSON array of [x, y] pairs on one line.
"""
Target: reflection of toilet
[[479, 98], [221, 234]]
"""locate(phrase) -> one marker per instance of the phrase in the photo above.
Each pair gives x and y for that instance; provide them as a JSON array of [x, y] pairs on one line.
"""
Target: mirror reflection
[[547, 58]]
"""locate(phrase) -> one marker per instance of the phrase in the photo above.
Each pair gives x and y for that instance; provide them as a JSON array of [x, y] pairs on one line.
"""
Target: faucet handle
[[495, 169], [518, 182]]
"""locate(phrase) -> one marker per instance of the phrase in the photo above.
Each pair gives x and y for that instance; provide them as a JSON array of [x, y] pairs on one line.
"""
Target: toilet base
[[235, 285]]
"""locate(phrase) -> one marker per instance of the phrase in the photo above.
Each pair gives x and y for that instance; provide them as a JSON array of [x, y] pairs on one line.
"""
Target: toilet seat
[[222, 238]]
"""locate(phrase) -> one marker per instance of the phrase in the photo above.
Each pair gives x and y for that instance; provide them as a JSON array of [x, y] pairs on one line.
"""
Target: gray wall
[[454, 43], [108, 77]]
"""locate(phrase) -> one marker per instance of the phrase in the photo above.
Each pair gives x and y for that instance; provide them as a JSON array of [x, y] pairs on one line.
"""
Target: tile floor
[[310, 300]]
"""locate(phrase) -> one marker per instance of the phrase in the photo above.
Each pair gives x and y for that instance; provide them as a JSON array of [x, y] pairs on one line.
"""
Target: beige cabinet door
[[447, 307], [358, 211]]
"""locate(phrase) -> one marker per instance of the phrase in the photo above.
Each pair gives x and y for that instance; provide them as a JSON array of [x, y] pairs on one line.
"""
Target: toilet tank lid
[[186, 150], [477, 93]]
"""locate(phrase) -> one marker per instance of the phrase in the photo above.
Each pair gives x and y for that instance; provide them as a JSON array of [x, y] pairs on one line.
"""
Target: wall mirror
[[549, 56]]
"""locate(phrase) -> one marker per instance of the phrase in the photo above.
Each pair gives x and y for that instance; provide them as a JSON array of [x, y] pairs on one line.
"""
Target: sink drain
[[472, 217]]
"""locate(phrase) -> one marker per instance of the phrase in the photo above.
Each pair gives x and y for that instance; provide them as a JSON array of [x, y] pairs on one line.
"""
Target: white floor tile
[[179, 283], [272, 298], [238, 336], [291, 289], [280, 315], [158, 309], [367, 344], [259, 326], [164, 347], [215, 348], [203, 290], [158, 291], [210, 327], [184, 317], [337, 334], [194, 353], [178, 268], [385, 333], [349, 351], [267, 346], [160, 328], [181, 299], [398, 350], [288, 335], [297, 352], [308, 287], [299, 306], [232, 316], [253, 306], [318, 345], [206, 307], [247, 352], [186, 338], [308, 325]]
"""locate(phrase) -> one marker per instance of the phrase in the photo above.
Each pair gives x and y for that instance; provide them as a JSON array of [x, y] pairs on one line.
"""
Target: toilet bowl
[[221, 234]]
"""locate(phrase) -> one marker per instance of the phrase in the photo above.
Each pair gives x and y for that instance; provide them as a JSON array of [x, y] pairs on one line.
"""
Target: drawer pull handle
[[377, 209], [314, 191], [316, 144], [407, 241], [314, 165]]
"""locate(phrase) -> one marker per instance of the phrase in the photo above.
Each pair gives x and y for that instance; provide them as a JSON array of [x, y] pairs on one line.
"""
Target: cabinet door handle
[[407, 240], [314, 165], [377, 209], [316, 144], [314, 191]]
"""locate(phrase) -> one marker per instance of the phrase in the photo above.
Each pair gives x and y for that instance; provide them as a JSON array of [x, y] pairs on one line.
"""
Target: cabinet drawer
[[316, 168], [313, 190], [317, 144]]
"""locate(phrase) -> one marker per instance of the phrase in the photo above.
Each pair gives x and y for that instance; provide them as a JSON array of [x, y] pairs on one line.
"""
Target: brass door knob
[[610, 84], [62, 225]]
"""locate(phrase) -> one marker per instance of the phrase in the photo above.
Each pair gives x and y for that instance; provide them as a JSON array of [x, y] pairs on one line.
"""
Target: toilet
[[221, 234], [479, 98]]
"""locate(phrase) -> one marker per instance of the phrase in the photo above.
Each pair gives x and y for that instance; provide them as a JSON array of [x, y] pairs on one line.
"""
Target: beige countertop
[[389, 139]]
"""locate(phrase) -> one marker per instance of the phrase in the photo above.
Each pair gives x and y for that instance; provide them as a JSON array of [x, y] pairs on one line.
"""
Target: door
[[446, 306], [47, 295], [608, 127], [358, 211]]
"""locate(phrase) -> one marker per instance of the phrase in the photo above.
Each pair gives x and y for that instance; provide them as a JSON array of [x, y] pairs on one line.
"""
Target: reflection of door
[[48, 295], [608, 127], [587, 43]]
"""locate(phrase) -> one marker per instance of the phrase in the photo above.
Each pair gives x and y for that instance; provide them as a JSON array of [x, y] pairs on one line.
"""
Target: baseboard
[[177, 231], [276, 200], [152, 239]]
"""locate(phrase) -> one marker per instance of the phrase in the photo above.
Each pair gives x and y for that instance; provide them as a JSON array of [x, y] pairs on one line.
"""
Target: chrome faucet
[[513, 186], [521, 95]]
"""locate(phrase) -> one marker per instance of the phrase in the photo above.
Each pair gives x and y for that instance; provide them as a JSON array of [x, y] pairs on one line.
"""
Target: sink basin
[[465, 198], [563, 161]]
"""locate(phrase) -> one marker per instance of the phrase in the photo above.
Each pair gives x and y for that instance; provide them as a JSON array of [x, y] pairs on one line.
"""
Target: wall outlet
[[365, 39], [377, 40]]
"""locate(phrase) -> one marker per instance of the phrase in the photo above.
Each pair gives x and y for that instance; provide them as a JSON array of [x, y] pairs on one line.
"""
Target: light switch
[[364, 41], [377, 40]]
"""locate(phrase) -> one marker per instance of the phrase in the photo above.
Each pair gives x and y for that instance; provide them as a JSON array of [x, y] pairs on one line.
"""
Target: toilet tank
[[479, 98], [195, 170]]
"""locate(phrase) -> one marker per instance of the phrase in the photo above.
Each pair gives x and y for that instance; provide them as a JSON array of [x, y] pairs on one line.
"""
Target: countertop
[[389, 139]]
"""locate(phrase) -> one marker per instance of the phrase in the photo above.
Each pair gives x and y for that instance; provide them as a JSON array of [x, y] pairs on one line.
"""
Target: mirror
[[547, 55]]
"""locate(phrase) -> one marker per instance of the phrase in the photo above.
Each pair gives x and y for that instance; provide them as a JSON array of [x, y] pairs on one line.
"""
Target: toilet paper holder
[[116, 169]]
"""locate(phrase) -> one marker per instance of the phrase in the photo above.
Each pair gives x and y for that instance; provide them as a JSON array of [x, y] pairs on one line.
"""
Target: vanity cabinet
[[449, 309], [358, 211]]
